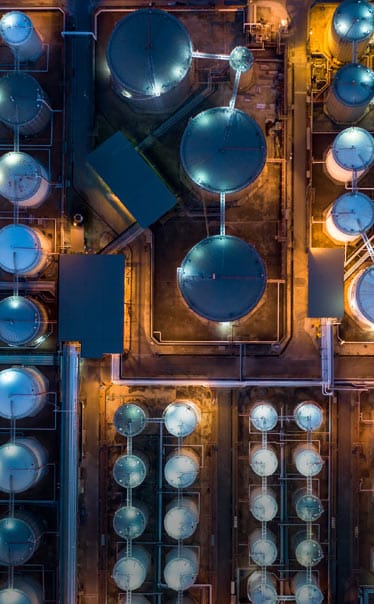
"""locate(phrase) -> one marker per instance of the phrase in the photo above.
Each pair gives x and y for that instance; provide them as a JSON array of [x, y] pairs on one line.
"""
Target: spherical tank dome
[[222, 278], [181, 418], [181, 470], [130, 572], [308, 461], [308, 506], [129, 471], [20, 249], [308, 416], [364, 295], [181, 519], [20, 320], [223, 150], [20, 98], [353, 149], [21, 464], [308, 551], [181, 568], [353, 20], [353, 213], [17, 541], [129, 522], [264, 416], [130, 419], [241, 59], [149, 52], [23, 391], [263, 462], [20, 176], [15, 27], [353, 84]]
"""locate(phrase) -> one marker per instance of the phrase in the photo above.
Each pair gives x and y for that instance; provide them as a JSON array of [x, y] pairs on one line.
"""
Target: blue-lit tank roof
[[353, 149], [353, 84], [19, 467], [17, 541], [353, 20], [222, 278], [20, 98], [180, 471], [20, 175], [365, 294], [129, 522], [15, 27], [180, 418], [14, 596], [308, 416], [129, 419], [353, 213], [308, 506], [241, 59], [264, 416], [20, 248], [19, 320], [223, 150], [20, 392], [150, 52], [129, 471]]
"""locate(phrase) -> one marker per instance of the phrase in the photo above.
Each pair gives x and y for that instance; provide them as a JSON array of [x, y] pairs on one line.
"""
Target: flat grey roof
[[325, 282]]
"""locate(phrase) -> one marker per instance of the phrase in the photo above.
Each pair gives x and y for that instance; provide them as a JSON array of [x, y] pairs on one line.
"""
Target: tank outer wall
[[340, 49], [28, 50]]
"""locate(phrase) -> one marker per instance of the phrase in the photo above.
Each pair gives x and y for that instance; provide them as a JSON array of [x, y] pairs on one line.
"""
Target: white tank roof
[[20, 464], [353, 149], [264, 416], [262, 548], [263, 462], [308, 506], [181, 470], [308, 416], [129, 522], [181, 519], [130, 419], [129, 470], [22, 392], [181, 568], [308, 551], [20, 249], [181, 418], [15, 27], [306, 589], [261, 588], [20, 176], [25, 590], [130, 572], [308, 461], [263, 504]]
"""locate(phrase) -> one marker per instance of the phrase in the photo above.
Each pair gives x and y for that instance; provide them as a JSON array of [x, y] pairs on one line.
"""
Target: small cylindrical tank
[[130, 419], [351, 151], [307, 460], [181, 518], [263, 416], [20, 536], [23, 392], [130, 470], [24, 104], [22, 464], [129, 521], [350, 93], [23, 321], [25, 590], [350, 215], [181, 468], [23, 180], [262, 548], [306, 589], [352, 25], [241, 60], [130, 571], [18, 32], [181, 568], [308, 416], [361, 297], [263, 462], [23, 250], [308, 551], [308, 506], [263, 504], [261, 588], [181, 418]]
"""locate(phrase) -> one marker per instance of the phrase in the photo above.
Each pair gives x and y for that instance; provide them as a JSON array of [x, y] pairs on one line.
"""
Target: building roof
[[326, 282]]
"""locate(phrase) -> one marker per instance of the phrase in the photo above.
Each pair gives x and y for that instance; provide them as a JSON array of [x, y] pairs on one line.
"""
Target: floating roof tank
[[130, 470], [263, 461], [181, 568], [23, 250], [130, 419], [361, 297], [308, 506], [181, 518], [23, 180], [222, 278], [264, 416], [23, 321], [352, 150], [153, 76], [23, 103], [308, 551], [22, 464], [263, 504], [261, 588], [306, 589], [241, 60], [308, 416], [262, 548], [307, 460], [18, 33], [181, 418], [130, 571], [350, 93], [23, 392], [350, 215], [19, 538], [223, 150], [181, 468], [25, 590], [352, 25], [129, 521]]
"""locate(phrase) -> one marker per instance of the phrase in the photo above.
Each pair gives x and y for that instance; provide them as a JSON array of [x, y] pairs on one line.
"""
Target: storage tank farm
[[351, 28], [24, 104], [19, 34], [351, 215], [351, 154], [349, 94]]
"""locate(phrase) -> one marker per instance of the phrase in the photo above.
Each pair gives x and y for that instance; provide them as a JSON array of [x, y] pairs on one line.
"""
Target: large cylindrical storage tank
[[262, 548], [350, 215], [20, 536], [261, 588], [350, 93], [23, 250], [308, 551], [263, 416], [130, 419], [152, 76], [307, 460], [263, 461], [306, 590], [263, 504], [361, 297], [23, 180], [352, 25], [308, 416], [22, 464], [23, 321], [18, 32], [241, 60], [351, 151], [130, 571], [23, 392], [181, 418], [130, 470], [129, 521], [181, 468], [181, 568], [25, 590], [181, 518], [24, 104], [307, 505]]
